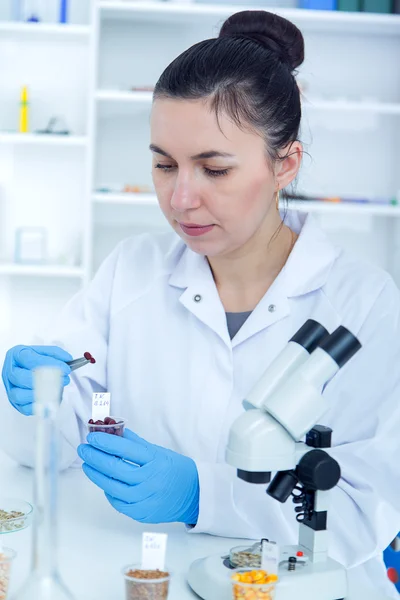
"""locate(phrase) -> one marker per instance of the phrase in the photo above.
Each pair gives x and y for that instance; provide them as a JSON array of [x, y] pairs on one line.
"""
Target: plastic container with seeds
[[6, 557], [112, 425], [253, 585], [141, 584]]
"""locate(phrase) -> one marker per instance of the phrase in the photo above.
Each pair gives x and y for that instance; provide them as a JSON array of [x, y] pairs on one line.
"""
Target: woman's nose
[[185, 196]]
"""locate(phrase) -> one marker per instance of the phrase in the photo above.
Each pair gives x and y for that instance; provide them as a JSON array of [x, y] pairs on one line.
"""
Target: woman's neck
[[243, 279]]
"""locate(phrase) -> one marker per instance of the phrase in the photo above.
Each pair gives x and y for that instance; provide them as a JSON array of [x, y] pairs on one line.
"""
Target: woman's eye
[[164, 167], [216, 172], [209, 172]]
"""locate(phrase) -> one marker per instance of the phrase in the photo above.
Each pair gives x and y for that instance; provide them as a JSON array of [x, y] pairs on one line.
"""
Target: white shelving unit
[[43, 139], [44, 30], [383, 108], [344, 208], [25, 270], [380, 108], [126, 198], [124, 96], [310, 104], [327, 207], [43, 177], [86, 72], [315, 20]]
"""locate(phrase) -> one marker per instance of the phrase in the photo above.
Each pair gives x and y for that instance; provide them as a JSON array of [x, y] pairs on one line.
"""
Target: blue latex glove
[[17, 372], [160, 487]]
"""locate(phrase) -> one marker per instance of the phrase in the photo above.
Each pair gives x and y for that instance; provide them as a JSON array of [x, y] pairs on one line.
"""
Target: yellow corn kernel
[[239, 591]]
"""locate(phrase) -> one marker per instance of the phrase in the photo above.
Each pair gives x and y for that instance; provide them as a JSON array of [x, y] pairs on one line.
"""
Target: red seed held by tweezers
[[88, 356]]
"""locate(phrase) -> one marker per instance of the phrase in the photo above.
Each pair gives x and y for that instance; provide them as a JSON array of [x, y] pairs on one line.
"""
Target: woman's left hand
[[145, 482]]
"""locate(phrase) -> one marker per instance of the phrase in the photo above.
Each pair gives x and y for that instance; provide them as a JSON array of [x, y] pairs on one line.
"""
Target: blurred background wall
[[75, 170]]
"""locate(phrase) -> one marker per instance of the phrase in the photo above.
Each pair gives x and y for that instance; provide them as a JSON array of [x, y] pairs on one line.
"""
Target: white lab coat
[[179, 381]]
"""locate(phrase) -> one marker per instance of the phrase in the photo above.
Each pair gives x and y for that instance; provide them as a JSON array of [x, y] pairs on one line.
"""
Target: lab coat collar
[[306, 270], [201, 295], [310, 262]]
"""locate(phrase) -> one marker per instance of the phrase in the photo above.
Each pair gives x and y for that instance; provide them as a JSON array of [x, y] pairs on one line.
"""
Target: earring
[[277, 199]]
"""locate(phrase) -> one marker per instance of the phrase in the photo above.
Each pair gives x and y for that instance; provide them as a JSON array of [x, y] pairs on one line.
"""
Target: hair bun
[[270, 30]]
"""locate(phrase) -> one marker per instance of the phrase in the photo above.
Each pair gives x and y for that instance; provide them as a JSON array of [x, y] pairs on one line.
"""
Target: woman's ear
[[288, 166]]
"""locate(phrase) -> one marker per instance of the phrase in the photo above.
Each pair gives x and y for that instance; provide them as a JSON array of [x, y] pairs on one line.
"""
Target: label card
[[269, 557], [154, 546], [101, 405]]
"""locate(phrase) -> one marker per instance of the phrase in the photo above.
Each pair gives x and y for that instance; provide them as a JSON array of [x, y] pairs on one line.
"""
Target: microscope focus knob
[[317, 470]]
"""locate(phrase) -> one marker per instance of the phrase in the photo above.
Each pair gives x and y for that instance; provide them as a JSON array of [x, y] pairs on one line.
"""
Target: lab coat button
[[272, 308], [197, 298]]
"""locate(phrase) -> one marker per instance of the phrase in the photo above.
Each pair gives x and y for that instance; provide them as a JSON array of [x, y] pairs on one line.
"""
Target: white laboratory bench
[[95, 541]]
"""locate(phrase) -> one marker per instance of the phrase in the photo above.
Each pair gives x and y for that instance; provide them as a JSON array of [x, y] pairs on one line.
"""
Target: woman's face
[[213, 181]]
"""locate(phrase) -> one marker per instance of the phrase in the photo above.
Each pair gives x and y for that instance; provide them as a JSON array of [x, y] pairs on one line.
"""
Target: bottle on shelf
[[318, 4], [377, 6], [24, 111], [349, 5], [64, 11]]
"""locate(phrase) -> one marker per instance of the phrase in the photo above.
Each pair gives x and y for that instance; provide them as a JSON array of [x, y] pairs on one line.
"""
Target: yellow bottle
[[24, 111]]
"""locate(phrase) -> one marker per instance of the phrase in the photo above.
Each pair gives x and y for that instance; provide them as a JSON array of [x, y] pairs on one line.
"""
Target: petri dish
[[246, 557], [15, 515]]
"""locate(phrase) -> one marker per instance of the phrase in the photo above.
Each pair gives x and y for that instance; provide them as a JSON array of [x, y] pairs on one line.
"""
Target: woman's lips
[[195, 230]]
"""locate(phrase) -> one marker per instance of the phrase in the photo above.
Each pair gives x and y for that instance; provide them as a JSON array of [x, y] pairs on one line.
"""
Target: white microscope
[[281, 410]]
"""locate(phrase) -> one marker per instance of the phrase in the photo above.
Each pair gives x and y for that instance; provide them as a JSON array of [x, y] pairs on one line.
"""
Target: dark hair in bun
[[247, 72], [276, 34]]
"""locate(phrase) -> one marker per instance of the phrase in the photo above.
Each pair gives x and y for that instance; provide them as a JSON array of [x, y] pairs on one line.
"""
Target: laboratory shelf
[[123, 96], [133, 199], [43, 139], [41, 270], [384, 108], [311, 104], [344, 208], [45, 30], [311, 20], [313, 206]]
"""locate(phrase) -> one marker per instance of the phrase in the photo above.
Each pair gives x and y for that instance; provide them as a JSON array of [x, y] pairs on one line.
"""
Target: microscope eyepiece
[[310, 335], [341, 345]]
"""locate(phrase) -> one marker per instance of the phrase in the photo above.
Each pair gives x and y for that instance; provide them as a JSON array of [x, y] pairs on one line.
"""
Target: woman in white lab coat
[[183, 324]]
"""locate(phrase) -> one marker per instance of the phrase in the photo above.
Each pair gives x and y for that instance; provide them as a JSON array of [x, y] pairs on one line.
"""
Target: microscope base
[[209, 578]]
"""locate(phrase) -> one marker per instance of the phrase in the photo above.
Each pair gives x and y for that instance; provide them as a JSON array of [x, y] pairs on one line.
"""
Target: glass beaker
[[44, 582]]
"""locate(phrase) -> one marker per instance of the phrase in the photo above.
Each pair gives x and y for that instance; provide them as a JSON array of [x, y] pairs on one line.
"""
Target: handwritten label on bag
[[154, 547], [269, 557], [101, 405]]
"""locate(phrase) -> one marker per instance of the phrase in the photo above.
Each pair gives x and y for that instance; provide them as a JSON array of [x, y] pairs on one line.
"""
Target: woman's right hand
[[18, 369]]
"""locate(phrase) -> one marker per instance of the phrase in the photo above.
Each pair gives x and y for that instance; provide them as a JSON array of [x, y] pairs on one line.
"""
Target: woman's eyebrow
[[207, 154]]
